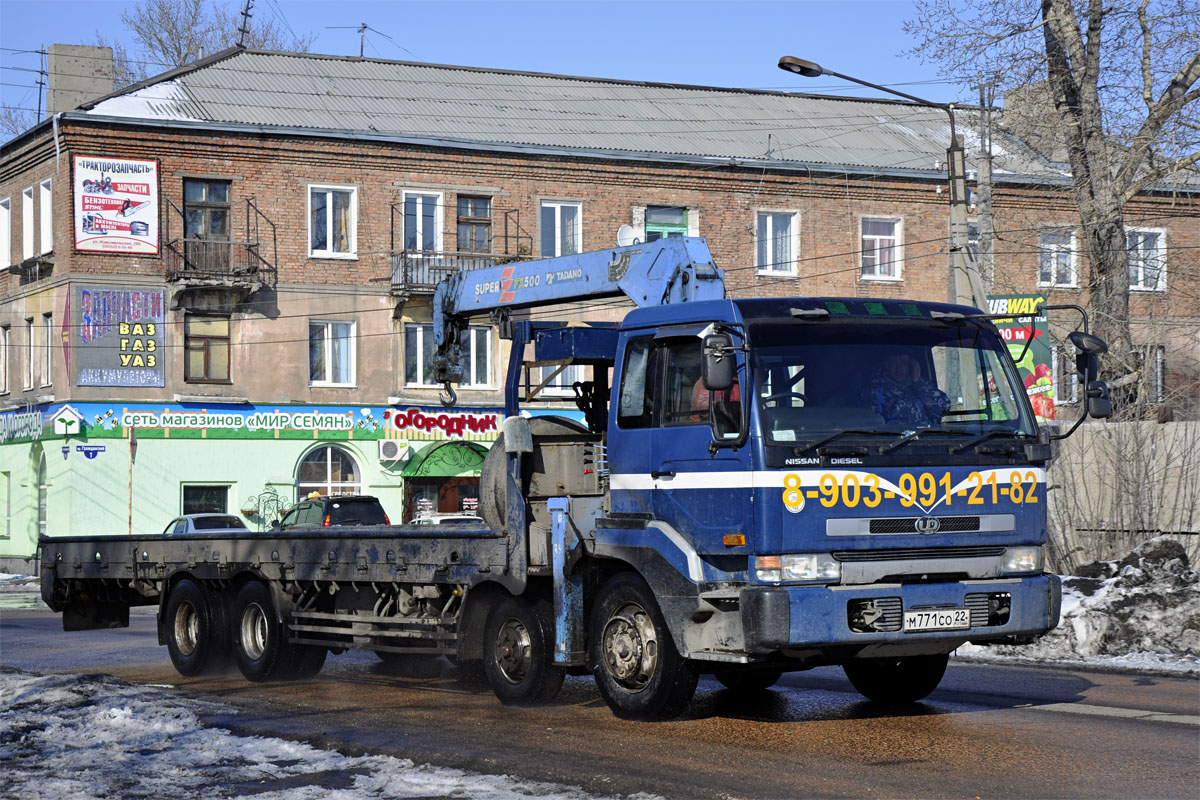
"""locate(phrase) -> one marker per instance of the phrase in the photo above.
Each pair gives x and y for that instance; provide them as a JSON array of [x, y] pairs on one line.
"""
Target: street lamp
[[960, 265]]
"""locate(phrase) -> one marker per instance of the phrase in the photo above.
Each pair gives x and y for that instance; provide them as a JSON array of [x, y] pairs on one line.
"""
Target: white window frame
[[47, 358], [558, 206], [1071, 249], [439, 217], [6, 232], [5, 342], [328, 340], [328, 188], [479, 337], [329, 485], [46, 215], [563, 384], [6, 479], [1161, 255], [27, 224], [793, 266], [898, 247], [29, 360], [1063, 375]]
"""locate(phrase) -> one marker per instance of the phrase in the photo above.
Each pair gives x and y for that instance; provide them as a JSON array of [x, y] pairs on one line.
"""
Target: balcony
[[418, 272], [241, 267]]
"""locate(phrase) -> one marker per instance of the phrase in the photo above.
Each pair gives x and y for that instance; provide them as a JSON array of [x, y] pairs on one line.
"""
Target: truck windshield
[[864, 378]]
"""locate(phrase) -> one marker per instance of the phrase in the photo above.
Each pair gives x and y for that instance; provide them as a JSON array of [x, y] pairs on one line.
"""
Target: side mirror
[[1087, 359], [276, 525], [718, 368], [1099, 404]]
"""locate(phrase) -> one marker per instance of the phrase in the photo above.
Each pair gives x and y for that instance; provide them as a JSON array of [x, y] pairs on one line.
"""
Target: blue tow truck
[[761, 486]]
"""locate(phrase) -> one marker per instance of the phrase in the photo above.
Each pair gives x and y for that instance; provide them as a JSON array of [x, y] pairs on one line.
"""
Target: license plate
[[937, 619]]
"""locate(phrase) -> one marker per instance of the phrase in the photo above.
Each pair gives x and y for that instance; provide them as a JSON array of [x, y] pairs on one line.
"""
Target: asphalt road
[[987, 732]]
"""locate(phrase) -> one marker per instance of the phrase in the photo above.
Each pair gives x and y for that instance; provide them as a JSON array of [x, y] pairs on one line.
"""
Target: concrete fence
[[1112, 486]]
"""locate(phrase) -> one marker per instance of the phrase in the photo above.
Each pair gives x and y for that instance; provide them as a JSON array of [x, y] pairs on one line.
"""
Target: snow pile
[[1142, 611], [66, 737]]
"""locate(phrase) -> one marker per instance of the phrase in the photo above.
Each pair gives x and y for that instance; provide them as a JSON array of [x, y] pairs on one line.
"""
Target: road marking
[[1108, 711]]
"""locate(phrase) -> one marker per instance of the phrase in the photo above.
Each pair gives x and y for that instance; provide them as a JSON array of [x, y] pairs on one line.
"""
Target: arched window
[[328, 470], [42, 486]]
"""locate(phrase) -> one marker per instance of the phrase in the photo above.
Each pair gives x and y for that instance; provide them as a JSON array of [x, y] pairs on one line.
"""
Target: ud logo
[[927, 524]]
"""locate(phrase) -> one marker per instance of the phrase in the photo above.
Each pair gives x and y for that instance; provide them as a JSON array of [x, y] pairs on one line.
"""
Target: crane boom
[[672, 270]]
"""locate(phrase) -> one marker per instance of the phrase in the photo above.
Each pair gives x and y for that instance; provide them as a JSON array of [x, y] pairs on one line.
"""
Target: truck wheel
[[639, 672], [195, 629], [747, 681], [896, 680], [518, 654], [259, 639], [307, 661]]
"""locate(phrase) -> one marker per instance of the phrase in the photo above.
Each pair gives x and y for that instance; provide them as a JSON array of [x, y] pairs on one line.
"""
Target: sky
[[727, 43]]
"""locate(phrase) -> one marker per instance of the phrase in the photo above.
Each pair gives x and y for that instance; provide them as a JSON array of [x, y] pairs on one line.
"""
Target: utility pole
[[987, 262]]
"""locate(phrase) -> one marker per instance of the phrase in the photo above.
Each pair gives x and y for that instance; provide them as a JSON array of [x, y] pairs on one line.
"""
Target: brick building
[[225, 272]]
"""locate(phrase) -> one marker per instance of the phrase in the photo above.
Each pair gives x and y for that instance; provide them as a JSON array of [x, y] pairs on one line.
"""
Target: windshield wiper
[[838, 434], [992, 434], [904, 439]]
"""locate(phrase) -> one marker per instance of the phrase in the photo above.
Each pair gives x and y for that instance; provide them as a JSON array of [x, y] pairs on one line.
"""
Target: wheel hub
[[254, 631], [187, 628], [630, 647], [514, 649]]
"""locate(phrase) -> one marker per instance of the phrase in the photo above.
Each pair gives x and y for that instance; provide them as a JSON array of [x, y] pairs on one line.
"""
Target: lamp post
[[964, 285]]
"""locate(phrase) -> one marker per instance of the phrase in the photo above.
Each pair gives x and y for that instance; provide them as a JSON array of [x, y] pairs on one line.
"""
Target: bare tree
[[165, 34], [1122, 78]]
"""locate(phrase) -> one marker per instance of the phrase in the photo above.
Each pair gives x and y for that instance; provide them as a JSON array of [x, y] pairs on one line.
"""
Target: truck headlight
[[797, 567], [1023, 559]]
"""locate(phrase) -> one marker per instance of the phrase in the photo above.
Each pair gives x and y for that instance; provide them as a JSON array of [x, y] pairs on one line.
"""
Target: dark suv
[[334, 511]]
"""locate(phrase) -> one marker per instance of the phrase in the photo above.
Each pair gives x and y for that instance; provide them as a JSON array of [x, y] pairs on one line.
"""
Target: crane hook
[[447, 395]]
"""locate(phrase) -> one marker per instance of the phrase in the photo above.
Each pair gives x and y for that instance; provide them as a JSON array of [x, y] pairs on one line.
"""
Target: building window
[[328, 471], [27, 224], [5, 232], [5, 339], [43, 493], [330, 353], [1056, 254], [419, 349], [561, 229], [332, 221], [47, 348], [1146, 260], [1150, 359], [205, 500], [30, 362], [777, 238], [1063, 373], [474, 224], [46, 213], [206, 213], [422, 222], [206, 349], [562, 384], [880, 248], [664, 221]]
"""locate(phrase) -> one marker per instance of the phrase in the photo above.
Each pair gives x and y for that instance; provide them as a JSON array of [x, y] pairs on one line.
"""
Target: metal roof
[[407, 100]]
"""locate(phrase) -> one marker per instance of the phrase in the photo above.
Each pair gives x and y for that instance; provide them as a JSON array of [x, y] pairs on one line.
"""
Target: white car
[[200, 523], [449, 519]]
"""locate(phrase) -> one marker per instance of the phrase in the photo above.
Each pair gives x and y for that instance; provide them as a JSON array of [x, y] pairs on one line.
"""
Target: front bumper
[[805, 617]]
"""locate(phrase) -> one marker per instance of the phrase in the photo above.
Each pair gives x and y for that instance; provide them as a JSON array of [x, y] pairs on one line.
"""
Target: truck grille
[[909, 524], [919, 553]]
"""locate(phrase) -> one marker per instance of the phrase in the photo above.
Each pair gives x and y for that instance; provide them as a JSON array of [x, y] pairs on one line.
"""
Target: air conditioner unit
[[391, 449]]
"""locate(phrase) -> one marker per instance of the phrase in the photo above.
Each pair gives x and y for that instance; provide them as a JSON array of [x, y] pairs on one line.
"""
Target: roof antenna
[[245, 29]]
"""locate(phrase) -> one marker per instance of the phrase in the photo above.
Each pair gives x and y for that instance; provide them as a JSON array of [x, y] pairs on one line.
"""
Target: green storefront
[[90, 468]]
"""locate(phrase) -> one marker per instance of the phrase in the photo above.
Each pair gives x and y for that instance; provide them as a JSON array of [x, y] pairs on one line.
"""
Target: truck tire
[[260, 646], [896, 680], [307, 661], [748, 680], [196, 632], [518, 653], [639, 672]]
